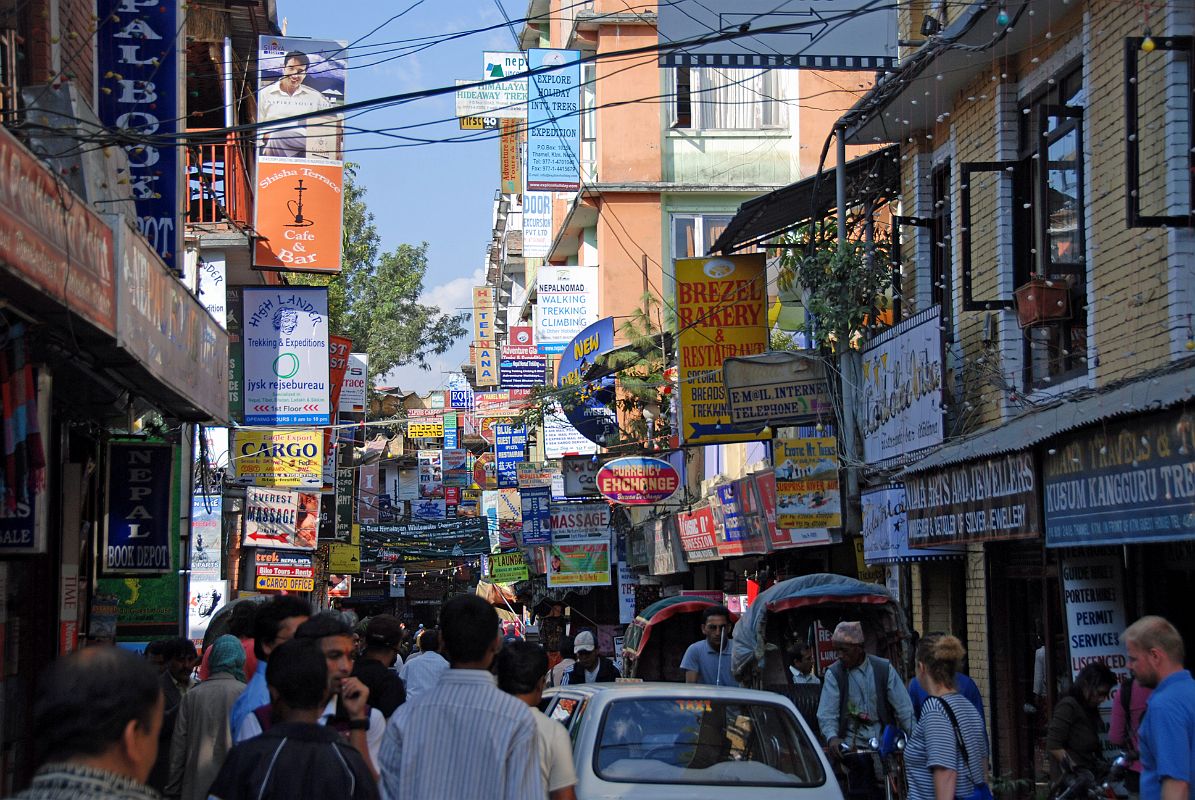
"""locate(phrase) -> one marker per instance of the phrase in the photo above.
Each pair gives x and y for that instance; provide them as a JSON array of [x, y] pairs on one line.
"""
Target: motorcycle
[[886, 754], [1081, 784]]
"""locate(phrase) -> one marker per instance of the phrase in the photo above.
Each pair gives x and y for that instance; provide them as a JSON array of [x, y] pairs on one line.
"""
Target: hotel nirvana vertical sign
[[902, 388], [980, 501], [138, 55], [137, 538]]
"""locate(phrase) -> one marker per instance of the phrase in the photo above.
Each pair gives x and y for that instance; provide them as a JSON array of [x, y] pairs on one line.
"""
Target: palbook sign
[[637, 481], [773, 388]]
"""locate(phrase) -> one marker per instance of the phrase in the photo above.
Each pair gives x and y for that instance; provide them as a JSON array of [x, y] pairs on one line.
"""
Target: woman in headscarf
[[201, 734]]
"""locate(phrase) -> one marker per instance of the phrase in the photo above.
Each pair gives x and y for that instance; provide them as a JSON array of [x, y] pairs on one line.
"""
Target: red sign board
[[637, 481], [697, 531]]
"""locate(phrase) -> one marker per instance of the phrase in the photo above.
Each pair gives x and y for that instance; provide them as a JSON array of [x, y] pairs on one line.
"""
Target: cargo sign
[[774, 388], [286, 356], [137, 527], [278, 458], [637, 481], [282, 571], [980, 501], [508, 567], [721, 306]]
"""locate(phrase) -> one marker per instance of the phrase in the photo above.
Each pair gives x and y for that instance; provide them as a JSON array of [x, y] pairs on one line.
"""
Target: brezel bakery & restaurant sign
[[979, 501]]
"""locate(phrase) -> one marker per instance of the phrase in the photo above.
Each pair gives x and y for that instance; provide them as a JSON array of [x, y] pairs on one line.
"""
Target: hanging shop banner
[[204, 599], [510, 165], [339, 352], [345, 482], [886, 530], [137, 526], [460, 399], [561, 437], [283, 570], [138, 59], [486, 364], [698, 537], [637, 481], [431, 475], [593, 414], [298, 214], [206, 536], [496, 98], [735, 534], [980, 501], [429, 508], [455, 464], [415, 541], [485, 472], [721, 306], [902, 388], [809, 502], [295, 77], [510, 445], [344, 559], [535, 503], [765, 492], [236, 356], [537, 224], [554, 121], [566, 302], [1127, 482], [281, 519], [508, 567], [665, 556], [340, 586], [483, 313], [535, 474], [776, 388], [477, 123], [452, 439], [425, 428], [354, 393], [580, 476], [579, 565], [286, 356], [580, 522], [327, 517], [369, 488], [521, 372], [754, 513], [398, 582], [278, 458]]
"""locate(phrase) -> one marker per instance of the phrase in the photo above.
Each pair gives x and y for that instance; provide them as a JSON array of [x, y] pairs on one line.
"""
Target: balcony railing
[[219, 186]]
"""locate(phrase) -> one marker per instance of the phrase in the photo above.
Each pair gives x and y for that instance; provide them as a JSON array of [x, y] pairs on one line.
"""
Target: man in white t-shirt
[[287, 97], [523, 672]]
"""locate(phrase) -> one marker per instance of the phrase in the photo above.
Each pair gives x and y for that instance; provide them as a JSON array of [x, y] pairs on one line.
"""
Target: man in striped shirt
[[464, 736]]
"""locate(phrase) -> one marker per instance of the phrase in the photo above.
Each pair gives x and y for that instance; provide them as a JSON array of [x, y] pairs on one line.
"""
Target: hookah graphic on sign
[[299, 209]]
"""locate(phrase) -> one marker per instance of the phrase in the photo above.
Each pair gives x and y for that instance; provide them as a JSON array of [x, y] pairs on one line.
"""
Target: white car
[[676, 741]]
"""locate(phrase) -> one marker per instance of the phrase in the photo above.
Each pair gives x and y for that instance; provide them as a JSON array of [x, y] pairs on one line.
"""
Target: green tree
[[375, 298]]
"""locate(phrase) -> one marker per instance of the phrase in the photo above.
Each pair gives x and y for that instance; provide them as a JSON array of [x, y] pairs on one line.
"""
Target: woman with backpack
[[947, 755]]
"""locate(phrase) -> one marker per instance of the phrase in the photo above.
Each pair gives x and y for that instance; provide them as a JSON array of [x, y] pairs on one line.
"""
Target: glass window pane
[[683, 233], [1064, 204]]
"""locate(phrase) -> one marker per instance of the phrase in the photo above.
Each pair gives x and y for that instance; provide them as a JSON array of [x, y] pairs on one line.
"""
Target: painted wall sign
[[292, 458], [637, 481], [137, 526], [721, 305], [886, 530], [554, 121], [566, 302], [698, 536], [286, 356], [773, 388], [138, 63], [1127, 482], [808, 497], [902, 388], [994, 499]]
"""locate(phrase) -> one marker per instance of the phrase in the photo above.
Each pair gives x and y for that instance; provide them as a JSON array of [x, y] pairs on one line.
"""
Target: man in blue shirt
[[708, 660], [1167, 731], [274, 624]]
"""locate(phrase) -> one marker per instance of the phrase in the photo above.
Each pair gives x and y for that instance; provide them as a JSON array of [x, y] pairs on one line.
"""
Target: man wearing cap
[[861, 695], [375, 666], [708, 660], [590, 667]]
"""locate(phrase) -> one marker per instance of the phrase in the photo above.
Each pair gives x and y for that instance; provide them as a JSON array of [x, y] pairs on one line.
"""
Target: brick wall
[[73, 37], [979, 655]]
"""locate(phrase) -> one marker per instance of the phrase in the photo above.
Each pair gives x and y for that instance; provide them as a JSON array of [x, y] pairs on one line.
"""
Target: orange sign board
[[299, 207]]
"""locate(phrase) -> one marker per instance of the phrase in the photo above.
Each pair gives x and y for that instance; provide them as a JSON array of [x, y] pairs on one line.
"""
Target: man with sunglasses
[[708, 660]]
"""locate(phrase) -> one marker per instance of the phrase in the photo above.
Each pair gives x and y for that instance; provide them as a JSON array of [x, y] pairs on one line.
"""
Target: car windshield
[[704, 741]]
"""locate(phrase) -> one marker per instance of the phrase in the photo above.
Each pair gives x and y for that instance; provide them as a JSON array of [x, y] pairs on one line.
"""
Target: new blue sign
[[510, 444], [138, 58], [554, 121], [593, 417], [537, 515], [137, 537]]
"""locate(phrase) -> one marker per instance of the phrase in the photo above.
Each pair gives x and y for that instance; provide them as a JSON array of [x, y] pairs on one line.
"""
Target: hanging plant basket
[[1042, 302]]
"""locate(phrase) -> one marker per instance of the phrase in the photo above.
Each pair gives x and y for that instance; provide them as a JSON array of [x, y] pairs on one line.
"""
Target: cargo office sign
[[137, 527], [721, 306], [554, 121], [278, 570], [980, 501], [1125, 483], [902, 388], [278, 458], [286, 356], [566, 302]]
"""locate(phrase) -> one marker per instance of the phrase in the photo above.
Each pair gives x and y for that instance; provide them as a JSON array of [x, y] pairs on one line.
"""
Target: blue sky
[[440, 193]]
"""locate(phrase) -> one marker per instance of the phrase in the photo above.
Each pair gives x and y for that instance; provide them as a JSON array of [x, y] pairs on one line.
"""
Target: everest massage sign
[[637, 481], [137, 527]]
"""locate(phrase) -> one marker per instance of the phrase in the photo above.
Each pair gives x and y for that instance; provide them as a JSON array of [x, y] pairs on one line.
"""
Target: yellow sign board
[[425, 429], [278, 458], [344, 559], [721, 305], [478, 123], [508, 567], [282, 584]]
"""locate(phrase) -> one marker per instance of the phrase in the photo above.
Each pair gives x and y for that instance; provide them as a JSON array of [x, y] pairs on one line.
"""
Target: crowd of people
[[293, 704]]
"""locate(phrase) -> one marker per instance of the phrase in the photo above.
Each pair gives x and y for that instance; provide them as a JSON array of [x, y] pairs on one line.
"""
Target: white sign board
[[204, 599], [213, 286], [566, 303], [500, 99], [902, 389], [561, 438], [580, 522], [537, 224], [354, 391], [286, 356]]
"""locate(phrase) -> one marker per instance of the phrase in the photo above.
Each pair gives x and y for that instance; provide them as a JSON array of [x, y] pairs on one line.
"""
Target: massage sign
[[637, 481], [137, 528]]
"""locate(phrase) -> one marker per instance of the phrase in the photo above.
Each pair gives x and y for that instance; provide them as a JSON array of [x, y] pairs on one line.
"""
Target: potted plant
[[1042, 301]]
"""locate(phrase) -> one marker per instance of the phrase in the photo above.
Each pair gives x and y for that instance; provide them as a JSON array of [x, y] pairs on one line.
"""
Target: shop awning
[[873, 176], [1152, 391]]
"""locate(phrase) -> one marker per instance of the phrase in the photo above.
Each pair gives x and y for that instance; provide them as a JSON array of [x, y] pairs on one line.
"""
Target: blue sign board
[[510, 444], [137, 528], [537, 515], [138, 60], [1123, 483], [734, 526], [522, 373], [461, 399], [18, 527], [554, 121], [594, 416]]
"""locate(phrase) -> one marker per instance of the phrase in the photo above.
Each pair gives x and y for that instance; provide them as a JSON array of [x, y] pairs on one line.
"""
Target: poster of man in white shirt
[[296, 77]]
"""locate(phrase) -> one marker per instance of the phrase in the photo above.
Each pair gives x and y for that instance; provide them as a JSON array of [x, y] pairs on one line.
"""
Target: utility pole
[[849, 367]]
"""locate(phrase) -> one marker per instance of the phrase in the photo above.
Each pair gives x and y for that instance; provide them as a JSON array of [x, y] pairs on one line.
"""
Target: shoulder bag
[[981, 791]]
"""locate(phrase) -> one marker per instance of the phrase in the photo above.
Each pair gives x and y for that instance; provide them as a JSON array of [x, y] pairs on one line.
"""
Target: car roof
[[667, 690]]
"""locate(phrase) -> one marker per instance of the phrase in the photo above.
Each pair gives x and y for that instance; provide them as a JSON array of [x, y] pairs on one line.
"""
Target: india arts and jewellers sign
[[902, 388], [137, 539], [286, 357], [990, 500]]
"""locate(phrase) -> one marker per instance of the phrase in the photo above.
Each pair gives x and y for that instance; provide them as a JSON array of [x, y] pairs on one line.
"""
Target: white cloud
[[456, 295]]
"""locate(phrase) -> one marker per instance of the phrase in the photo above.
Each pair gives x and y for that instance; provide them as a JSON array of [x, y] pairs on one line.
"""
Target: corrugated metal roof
[[1153, 391]]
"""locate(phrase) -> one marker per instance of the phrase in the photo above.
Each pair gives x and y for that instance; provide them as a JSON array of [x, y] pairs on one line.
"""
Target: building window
[[940, 273], [715, 98], [694, 234], [1049, 235], [588, 121]]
